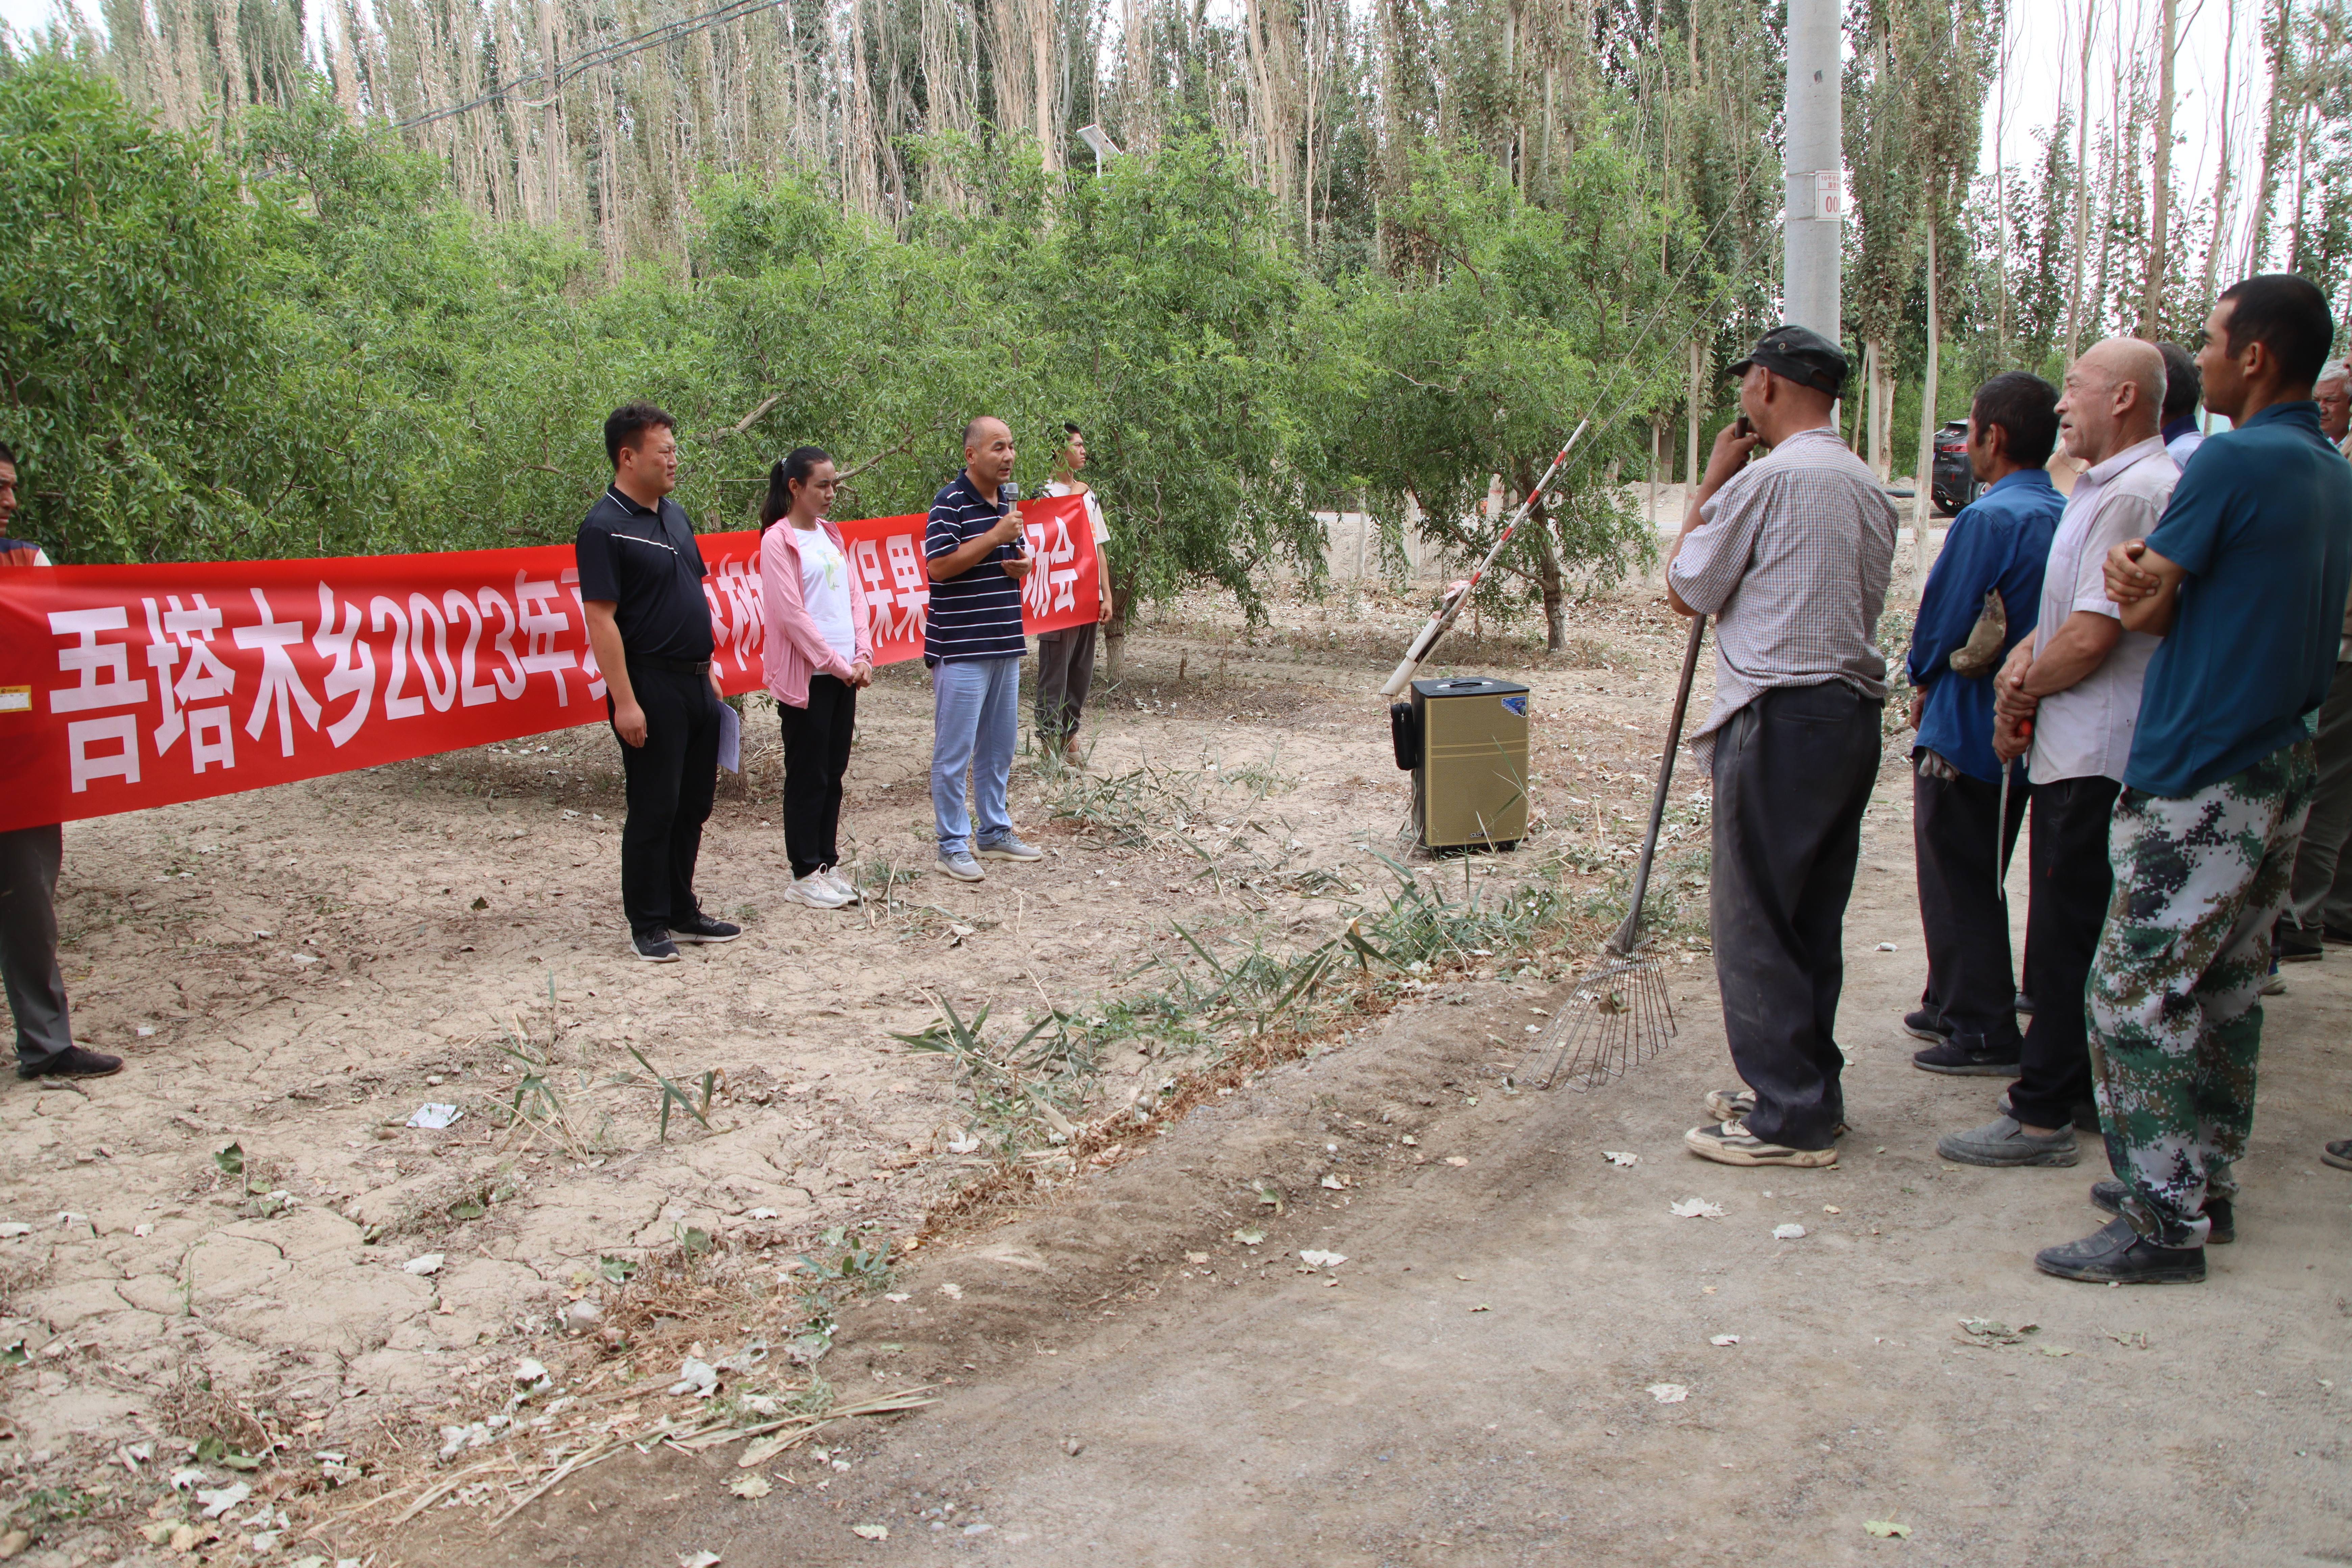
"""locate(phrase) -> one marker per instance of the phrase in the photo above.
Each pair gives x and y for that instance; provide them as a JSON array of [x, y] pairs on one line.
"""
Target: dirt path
[[1125, 1382], [227, 1253]]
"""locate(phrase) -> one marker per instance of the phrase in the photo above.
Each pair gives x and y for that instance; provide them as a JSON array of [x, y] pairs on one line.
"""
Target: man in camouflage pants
[[2244, 579], [2176, 987]]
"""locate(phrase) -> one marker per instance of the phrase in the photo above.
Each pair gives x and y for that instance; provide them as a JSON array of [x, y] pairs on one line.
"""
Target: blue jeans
[[975, 722]]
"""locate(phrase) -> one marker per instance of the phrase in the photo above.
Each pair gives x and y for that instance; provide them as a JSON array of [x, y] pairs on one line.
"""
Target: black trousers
[[29, 859], [1792, 773], [816, 754], [2072, 884], [1970, 971], [671, 779], [1065, 672]]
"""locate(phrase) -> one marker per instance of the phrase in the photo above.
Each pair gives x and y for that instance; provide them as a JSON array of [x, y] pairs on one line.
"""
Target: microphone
[[1008, 497]]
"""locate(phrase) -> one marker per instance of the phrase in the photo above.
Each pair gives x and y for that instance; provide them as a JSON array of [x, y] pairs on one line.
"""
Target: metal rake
[[1620, 1016]]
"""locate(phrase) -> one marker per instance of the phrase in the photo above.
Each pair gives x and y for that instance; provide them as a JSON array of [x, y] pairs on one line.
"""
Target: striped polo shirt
[[976, 614]]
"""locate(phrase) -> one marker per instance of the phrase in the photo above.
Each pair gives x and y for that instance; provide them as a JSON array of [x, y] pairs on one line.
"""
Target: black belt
[[673, 666]]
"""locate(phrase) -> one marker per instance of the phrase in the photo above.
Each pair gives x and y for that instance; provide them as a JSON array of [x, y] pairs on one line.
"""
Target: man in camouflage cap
[[2244, 580], [1791, 554]]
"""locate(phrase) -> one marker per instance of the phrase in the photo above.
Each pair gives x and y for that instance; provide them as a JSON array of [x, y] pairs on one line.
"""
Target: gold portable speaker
[[1465, 740]]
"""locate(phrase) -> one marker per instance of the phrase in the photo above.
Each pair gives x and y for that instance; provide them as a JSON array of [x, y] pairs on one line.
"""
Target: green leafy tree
[[1527, 321], [131, 350]]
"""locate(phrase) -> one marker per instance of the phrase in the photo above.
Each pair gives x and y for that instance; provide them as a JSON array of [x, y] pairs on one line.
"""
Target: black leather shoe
[[700, 927], [1927, 1023], [1965, 1060], [2119, 1255], [74, 1062], [2107, 1197], [2294, 944]]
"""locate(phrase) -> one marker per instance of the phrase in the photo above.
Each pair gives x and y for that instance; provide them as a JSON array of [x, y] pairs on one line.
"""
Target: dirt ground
[[240, 1250]]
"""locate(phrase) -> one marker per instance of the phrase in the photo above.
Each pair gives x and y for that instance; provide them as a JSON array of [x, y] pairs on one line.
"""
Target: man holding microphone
[[974, 644]]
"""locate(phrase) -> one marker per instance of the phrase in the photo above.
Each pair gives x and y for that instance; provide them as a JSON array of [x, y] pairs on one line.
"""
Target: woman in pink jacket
[[818, 655]]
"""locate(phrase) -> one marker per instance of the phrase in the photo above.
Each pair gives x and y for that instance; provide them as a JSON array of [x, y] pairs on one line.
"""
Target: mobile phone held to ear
[[1742, 428]]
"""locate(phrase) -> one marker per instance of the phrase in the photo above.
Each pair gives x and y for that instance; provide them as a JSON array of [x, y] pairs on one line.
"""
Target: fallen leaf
[[1831, 1208], [1314, 1260], [424, 1263], [1695, 1208], [1335, 1183], [696, 1376], [1887, 1528], [1455, 1160], [1886, 947], [1249, 1237], [218, 1501], [953, 1292], [1987, 1332], [1667, 1393], [897, 1296], [1482, 1307], [761, 1449], [1620, 1159], [1723, 1340], [870, 1531], [2055, 1350], [1788, 1233], [751, 1488]]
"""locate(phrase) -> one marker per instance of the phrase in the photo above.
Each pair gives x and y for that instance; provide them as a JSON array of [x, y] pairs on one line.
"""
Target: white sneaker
[[842, 885], [816, 891]]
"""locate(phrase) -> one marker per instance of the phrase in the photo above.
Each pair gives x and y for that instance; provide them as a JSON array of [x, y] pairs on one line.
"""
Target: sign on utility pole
[[1811, 230]]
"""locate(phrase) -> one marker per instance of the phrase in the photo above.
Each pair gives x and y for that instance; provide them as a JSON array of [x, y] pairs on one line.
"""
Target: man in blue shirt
[[2244, 580], [972, 642], [1996, 546], [2184, 388]]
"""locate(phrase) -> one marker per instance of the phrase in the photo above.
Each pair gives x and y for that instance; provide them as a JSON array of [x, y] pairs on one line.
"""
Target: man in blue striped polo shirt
[[972, 642]]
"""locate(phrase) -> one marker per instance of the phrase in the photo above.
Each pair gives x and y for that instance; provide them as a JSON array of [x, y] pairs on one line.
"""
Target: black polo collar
[[629, 503]]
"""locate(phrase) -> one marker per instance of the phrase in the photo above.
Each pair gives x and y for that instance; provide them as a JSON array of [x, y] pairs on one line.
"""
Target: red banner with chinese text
[[128, 687]]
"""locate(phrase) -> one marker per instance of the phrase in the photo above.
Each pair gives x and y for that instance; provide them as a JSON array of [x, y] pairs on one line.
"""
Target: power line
[[602, 54]]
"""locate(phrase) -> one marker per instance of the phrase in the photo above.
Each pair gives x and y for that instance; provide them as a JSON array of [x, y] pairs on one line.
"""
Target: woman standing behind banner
[[1066, 660], [817, 654]]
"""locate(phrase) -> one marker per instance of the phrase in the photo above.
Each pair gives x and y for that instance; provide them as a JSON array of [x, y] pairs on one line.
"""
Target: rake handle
[[1628, 934], [1438, 622]]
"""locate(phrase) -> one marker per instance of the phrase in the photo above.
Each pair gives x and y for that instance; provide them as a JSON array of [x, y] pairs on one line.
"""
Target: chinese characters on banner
[[128, 687]]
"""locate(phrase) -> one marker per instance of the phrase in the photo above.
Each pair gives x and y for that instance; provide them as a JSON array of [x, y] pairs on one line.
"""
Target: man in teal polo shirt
[[2244, 580]]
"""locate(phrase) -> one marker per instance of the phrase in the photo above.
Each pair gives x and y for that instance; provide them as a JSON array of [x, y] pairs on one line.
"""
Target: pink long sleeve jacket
[[794, 649]]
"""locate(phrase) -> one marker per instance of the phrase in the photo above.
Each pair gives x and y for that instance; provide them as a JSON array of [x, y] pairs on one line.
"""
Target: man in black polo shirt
[[973, 641], [641, 578]]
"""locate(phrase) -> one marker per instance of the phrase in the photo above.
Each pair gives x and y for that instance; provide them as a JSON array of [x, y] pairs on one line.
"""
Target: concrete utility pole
[[1812, 230]]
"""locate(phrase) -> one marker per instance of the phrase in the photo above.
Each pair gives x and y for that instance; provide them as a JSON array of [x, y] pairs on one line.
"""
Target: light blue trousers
[[975, 723]]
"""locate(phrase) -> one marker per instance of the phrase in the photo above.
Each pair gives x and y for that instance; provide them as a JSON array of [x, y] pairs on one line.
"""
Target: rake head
[[1618, 1017]]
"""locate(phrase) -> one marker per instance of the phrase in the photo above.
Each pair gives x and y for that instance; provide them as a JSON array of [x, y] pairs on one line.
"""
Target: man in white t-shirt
[[2068, 700], [1065, 658]]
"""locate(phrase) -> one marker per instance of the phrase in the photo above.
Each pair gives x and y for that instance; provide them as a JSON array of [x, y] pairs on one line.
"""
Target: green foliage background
[[298, 343]]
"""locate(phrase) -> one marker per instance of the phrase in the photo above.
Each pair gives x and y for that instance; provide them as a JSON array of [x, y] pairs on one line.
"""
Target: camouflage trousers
[[2175, 991]]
